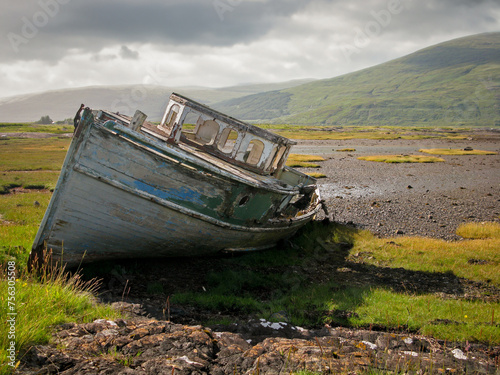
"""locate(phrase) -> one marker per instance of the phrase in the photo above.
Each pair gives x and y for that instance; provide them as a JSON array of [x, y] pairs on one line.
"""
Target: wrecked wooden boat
[[199, 182]]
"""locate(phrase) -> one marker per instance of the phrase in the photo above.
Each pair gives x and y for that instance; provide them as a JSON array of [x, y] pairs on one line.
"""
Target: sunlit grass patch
[[450, 151], [449, 319], [401, 158], [28, 179], [267, 284], [305, 158], [20, 216], [41, 302], [303, 161], [302, 165], [35, 128], [317, 175], [33, 154], [479, 230], [474, 259]]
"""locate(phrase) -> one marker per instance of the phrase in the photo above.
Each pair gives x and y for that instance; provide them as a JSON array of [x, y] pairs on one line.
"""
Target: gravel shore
[[424, 199]]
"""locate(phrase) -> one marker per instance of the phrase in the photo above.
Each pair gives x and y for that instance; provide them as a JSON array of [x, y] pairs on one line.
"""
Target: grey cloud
[[107, 57], [127, 53], [91, 25], [423, 20]]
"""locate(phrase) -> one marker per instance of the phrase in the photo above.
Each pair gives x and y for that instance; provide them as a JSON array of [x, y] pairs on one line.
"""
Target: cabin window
[[270, 158], [227, 140], [254, 152], [207, 132], [278, 157], [189, 125], [172, 115]]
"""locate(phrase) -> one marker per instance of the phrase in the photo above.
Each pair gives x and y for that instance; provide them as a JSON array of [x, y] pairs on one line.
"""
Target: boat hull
[[119, 198]]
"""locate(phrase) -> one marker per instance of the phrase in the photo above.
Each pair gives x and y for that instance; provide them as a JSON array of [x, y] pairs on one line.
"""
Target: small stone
[[458, 354]]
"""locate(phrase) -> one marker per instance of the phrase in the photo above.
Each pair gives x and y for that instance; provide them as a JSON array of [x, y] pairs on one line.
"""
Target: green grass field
[[31, 163], [295, 280]]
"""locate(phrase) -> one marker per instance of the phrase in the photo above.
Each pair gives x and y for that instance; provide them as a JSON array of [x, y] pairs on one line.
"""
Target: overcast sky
[[53, 44]]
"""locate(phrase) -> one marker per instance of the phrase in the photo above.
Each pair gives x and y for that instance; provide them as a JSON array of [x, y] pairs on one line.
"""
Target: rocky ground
[[257, 347], [388, 199], [426, 199]]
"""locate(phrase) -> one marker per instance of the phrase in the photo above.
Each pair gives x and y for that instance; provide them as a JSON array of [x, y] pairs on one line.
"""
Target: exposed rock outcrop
[[144, 346]]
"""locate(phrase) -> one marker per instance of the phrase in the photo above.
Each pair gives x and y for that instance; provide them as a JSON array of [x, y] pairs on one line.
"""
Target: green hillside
[[63, 103], [450, 84]]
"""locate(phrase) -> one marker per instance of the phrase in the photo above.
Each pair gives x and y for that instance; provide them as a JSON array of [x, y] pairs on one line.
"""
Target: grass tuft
[[317, 175], [305, 158], [303, 161], [401, 158], [449, 151], [42, 300], [479, 230]]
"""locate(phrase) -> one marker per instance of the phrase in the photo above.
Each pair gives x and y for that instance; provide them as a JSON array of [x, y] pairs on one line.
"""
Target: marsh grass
[[401, 159], [20, 216], [447, 319], [479, 230], [28, 180], [35, 128], [44, 299], [435, 255], [303, 161], [33, 154], [31, 163], [317, 175], [302, 165], [365, 132], [287, 279], [450, 151]]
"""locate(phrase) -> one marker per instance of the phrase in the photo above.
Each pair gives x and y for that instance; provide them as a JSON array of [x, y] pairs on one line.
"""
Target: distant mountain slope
[[62, 104], [452, 83]]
